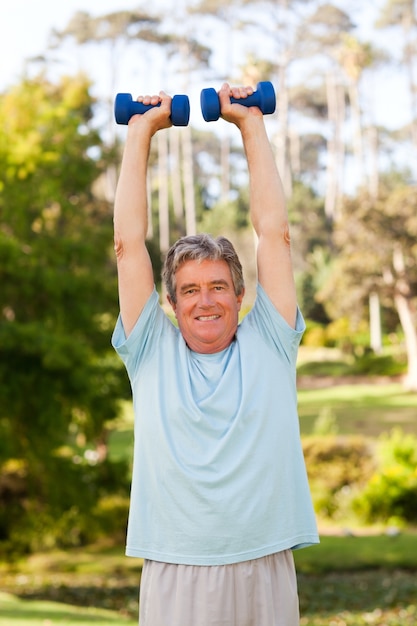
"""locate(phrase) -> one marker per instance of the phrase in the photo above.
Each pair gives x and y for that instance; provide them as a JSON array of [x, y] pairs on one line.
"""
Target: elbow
[[276, 233], [118, 246], [286, 235]]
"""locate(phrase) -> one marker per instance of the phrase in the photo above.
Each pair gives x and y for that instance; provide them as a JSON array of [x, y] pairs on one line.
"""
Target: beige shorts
[[261, 592]]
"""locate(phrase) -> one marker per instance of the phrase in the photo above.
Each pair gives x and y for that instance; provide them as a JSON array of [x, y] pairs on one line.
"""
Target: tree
[[326, 26], [355, 57], [312, 233], [59, 380], [377, 253]]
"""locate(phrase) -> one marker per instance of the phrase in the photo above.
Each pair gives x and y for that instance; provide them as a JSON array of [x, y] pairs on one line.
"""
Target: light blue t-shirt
[[218, 471]]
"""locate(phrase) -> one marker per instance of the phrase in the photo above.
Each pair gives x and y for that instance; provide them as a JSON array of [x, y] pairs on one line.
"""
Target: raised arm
[[267, 204], [135, 275]]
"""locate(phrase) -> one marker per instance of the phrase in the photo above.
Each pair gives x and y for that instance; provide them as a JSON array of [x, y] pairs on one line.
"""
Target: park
[[66, 418]]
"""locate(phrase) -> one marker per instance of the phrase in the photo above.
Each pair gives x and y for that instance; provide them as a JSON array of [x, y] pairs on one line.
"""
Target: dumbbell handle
[[125, 107], [254, 100]]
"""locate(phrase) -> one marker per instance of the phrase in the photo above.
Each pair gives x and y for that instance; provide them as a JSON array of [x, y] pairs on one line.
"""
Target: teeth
[[207, 317]]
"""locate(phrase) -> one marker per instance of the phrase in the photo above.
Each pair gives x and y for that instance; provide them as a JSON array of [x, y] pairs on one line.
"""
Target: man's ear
[[240, 298], [172, 303]]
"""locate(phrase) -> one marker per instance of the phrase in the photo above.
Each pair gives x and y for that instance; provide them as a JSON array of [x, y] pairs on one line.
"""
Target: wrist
[[140, 132], [251, 126]]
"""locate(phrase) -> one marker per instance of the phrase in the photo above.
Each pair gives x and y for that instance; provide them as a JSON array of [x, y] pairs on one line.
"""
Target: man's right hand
[[156, 118]]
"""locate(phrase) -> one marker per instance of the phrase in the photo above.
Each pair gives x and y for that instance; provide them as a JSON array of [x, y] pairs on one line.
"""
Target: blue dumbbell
[[263, 98], [125, 107]]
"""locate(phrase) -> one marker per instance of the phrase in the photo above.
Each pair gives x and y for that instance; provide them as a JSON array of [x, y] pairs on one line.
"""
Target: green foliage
[[353, 345], [391, 493], [311, 232], [339, 367], [59, 378], [368, 238], [336, 466], [68, 506], [368, 364], [379, 364], [337, 334], [351, 477]]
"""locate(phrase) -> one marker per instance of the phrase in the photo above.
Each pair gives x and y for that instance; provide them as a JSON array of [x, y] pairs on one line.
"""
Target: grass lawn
[[15, 611], [344, 554], [345, 581], [362, 408], [367, 598], [75, 583], [359, 580]]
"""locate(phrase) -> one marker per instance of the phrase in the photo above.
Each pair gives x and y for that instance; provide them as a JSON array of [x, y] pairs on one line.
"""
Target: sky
[[25, 26]]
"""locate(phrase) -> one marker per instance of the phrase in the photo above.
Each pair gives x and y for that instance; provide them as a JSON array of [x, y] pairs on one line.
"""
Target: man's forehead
[[194, 272]]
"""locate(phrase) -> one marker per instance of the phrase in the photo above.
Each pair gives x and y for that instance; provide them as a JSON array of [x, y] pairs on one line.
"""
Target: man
[[219, 489]]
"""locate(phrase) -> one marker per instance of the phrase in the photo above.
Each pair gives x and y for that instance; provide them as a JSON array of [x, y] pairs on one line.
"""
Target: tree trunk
[[409, 58], [357, 131], [375, 322], [406, 314], [225, 167], [295, 152], [373, 180], [188, 174], [281, 141], [335, 151], [176, 186], [163, 201]]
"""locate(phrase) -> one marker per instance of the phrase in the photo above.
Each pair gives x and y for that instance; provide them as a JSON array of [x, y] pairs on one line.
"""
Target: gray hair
[[200, 248]]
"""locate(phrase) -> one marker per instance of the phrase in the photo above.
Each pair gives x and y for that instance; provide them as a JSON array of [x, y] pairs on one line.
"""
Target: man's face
[[207, 307]]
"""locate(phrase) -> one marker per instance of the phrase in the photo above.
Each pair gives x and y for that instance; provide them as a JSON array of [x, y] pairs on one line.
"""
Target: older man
[[220, 496]]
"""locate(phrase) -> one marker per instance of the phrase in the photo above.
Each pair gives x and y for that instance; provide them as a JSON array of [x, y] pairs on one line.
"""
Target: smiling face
[[207, 307]]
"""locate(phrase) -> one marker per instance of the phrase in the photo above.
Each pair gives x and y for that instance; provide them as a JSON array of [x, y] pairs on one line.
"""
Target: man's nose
[[206, 298]]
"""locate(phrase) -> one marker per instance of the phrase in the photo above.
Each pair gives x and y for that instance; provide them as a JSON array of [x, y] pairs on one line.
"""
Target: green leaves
[[59, 378]]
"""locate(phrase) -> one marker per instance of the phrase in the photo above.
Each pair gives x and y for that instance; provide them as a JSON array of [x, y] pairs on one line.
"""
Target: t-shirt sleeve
[[134, 349], [274, 328]]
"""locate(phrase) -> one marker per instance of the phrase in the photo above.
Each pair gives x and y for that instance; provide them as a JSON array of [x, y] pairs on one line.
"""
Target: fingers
[[236, 92], [149, 100], [231, 110], [158, 116], [241, 92], [155, 99]]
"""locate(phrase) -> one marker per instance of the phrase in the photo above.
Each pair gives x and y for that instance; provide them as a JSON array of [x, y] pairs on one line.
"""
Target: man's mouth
[[207, 318]]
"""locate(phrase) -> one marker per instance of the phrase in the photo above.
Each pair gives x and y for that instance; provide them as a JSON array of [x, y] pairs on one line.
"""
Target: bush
[[336, 466], [380, 365], [111, 513], [77, 502], [336, 334], [315, 335], [391, 492]]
